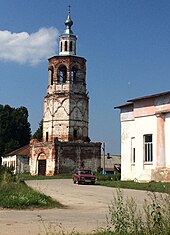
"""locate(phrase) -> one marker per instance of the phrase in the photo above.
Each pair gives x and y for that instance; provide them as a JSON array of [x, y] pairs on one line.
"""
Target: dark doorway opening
[[41, 167]]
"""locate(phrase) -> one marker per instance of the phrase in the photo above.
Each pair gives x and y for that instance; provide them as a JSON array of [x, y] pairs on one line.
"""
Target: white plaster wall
[[137, 128], [33, 163], [8, 161], [127, 116], [167, 140], [127, 131], [143, 126]]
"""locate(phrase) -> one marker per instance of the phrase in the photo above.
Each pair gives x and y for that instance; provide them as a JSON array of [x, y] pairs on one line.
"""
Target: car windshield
[[84, 172]]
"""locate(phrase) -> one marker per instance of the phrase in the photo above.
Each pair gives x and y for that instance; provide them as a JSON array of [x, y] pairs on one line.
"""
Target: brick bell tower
[[66, 102], [65, 144]]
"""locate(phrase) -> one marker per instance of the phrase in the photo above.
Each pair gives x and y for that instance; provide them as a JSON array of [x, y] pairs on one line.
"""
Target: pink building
[[145, 136]]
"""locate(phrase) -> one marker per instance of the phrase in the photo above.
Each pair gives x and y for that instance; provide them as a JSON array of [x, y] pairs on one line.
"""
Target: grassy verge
[[15, 194], [43, 177], [114, 181], [151, 186], [20, 196]]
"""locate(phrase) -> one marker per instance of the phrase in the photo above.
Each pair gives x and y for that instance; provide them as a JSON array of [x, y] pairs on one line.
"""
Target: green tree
[[39, 132], [15, 129]]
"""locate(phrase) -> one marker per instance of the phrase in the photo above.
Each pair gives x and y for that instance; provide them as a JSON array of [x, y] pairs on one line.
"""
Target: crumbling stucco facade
[[56, 157], [66, 143], [66, 102]]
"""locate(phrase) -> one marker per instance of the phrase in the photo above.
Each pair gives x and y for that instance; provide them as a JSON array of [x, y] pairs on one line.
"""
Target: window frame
[[148, 148], [133, 151]]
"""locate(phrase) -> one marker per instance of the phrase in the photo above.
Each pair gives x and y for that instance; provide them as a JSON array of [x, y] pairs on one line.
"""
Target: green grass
[[20, 196], [43, 177], [151, 186], [115, 182]]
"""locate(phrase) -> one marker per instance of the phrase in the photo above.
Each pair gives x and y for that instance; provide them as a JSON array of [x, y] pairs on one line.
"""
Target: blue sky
[[126, 44]]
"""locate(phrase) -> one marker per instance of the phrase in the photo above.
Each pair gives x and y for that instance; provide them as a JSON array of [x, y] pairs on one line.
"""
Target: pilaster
[[160, 152]]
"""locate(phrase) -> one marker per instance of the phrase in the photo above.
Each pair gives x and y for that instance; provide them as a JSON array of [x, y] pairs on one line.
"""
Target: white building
[[145, 136], [17, 159]]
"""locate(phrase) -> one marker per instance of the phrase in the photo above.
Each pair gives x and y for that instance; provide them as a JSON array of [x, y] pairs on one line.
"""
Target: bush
[[108, 177], [6, 174], [126, 218]]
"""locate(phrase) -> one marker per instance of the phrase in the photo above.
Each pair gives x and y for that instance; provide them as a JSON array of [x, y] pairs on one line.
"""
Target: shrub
[[6, 174], [126, 218], [108, 177]]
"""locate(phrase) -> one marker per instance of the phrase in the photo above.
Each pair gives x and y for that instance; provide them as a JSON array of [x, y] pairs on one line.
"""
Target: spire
[[67, 44], [68, 23]]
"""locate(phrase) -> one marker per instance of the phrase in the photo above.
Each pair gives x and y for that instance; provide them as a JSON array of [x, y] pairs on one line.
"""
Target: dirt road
[[87, 207]]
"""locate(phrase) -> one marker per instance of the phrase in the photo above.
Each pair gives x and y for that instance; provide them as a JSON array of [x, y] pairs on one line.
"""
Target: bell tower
[[66, 144], [66, 103]]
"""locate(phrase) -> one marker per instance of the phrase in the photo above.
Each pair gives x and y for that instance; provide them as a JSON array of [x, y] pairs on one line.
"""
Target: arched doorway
[[42, 164]]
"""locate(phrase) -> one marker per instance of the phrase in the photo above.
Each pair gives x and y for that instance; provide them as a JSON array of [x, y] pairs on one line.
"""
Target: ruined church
[[66, 144]]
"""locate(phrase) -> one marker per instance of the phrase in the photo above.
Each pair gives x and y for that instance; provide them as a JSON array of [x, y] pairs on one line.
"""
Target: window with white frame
[[133, 149], [148, 148]]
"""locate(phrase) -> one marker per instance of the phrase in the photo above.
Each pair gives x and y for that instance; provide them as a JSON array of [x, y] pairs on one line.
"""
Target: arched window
[[50, 77], [65, 45], [46, 136], [61, 46], [71, 46], [74, 74], [62, 73]]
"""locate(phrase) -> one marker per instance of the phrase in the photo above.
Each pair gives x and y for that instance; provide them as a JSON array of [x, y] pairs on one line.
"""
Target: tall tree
[[38, 134], [15, 129]]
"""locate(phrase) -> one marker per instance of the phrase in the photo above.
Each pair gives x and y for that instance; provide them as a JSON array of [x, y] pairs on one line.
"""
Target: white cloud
[[28, 48]]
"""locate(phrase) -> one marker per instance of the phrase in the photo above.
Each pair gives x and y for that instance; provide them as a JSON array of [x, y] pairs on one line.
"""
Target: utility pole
[[104, 163]]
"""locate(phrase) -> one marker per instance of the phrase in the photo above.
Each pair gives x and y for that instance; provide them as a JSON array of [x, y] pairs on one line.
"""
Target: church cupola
[[67, 44]]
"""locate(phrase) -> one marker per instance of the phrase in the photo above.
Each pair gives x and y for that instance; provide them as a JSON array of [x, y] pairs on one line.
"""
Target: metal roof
[[150, 96], [123, 105], [131, 101], [23, 151]]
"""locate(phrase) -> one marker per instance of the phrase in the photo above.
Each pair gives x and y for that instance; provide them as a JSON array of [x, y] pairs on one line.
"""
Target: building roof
[[123, 106], [23, 151], [150, 96], [142, 98]]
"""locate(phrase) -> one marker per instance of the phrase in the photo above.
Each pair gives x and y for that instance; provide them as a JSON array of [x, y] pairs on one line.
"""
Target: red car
[[84, 176]]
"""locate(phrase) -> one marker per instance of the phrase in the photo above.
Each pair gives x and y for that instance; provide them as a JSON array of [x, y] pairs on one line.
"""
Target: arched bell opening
[[62, 74], [74, 71]]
